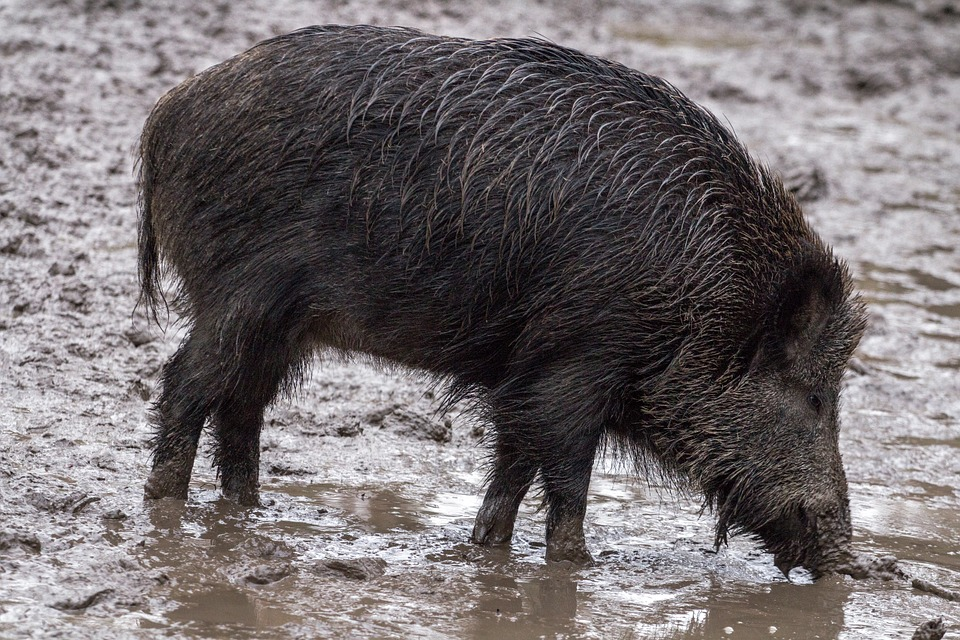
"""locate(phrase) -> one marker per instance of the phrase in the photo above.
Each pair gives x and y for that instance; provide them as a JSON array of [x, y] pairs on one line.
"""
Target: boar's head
[[758, 432], [789, 489]]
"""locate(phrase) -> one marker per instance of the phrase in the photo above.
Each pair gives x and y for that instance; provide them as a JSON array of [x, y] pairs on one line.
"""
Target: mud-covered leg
[[179, 415], [566, 479], [237, 431], [263, 356], [535, 434], [511, 477]]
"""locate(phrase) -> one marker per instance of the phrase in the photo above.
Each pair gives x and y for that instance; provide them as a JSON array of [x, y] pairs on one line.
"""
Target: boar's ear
[[799, 310]]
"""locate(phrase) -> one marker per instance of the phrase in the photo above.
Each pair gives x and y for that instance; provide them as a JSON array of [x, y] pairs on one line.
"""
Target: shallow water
[[656, 575], [366, 519]]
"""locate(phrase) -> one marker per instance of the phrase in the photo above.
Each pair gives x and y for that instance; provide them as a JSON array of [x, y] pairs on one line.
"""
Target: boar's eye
[[815, 401]]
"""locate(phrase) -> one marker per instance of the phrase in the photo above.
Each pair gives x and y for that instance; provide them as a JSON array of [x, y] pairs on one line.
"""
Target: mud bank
[[369, 494]]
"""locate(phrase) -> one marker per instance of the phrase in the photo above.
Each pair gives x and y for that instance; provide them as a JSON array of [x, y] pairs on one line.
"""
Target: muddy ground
[[369, 493]]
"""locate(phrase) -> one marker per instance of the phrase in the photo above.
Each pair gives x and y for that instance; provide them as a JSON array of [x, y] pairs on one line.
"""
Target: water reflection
[[555, 604], [213, 523], [544, 605], [222, 604], [384, 509], [791, 611], [379, 511], [204, 548]]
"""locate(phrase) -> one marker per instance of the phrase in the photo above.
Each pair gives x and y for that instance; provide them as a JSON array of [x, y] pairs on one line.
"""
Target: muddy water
[[369, 494]]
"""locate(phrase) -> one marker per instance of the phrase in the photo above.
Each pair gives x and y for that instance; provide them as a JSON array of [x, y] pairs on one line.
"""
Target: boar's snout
[[815, 537]]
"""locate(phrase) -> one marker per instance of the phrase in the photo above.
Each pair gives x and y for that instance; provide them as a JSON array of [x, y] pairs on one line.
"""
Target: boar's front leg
[[566, 426], [535, 433], [512, 474], [566, 477]]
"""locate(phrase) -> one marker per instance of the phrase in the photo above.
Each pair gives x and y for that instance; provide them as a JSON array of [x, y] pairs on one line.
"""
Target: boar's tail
[[148, 255]]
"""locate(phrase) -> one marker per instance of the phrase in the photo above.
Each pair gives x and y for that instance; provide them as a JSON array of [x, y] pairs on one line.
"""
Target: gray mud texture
[[369, 494]]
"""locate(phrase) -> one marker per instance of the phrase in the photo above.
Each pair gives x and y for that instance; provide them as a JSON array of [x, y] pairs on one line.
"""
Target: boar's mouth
[[782, 536], [796, 537]]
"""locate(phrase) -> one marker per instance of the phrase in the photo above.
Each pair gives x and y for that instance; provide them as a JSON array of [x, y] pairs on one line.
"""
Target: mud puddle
[[374, 561], [369, 494]]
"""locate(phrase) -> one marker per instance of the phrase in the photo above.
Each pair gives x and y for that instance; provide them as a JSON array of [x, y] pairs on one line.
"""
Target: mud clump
[[28, 542], [868, 567], [408, 423], [74, 502], [268, 573], [80, 603], [355, 569], [930, 630], [139, 336]]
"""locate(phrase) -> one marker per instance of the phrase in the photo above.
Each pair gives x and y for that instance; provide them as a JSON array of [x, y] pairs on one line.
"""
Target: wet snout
[[798, 532]]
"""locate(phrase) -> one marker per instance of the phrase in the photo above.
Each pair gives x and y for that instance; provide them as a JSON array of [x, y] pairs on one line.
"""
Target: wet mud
[[369, 494]]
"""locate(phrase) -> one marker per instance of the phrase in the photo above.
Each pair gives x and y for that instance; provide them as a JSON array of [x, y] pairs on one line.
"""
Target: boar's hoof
[[245, 496], [574, 554], [490, 533], [165, 482], [572, 549], [565, 540]]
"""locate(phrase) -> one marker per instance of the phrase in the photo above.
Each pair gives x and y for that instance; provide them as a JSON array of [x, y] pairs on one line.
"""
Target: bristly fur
[[574, 246]]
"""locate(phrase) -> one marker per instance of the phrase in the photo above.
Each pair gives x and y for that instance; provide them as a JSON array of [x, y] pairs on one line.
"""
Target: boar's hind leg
[[566, 472], [179, 415], [257, 360], [510, 478], [237, 424]]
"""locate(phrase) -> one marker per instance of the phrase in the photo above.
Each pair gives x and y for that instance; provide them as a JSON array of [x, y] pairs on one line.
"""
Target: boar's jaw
[[817, 539]]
